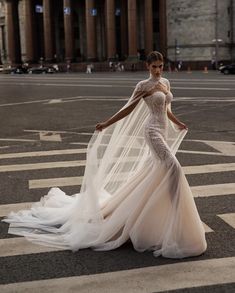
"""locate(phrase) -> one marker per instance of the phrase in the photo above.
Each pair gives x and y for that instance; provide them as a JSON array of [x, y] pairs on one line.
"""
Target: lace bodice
[[156, 125], [157, 103]]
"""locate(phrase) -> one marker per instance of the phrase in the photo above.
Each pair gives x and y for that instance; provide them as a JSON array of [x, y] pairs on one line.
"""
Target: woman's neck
[[154, 77]]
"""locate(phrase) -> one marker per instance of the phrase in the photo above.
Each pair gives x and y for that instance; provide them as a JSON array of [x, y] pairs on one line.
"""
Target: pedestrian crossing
[[134, 280], [150, 279]]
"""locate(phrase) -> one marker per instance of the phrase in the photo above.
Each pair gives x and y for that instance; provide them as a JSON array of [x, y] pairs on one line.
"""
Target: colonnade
[[128, 28]]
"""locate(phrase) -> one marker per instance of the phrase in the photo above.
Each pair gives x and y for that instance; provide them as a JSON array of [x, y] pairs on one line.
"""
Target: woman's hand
[[100, 126], [161, 87]]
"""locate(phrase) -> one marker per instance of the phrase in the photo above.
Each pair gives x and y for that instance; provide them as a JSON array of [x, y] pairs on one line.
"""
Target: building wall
[[191, 27], [2, 32]]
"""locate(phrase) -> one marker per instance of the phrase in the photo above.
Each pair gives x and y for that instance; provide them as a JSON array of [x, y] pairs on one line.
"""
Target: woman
[[133, 186]]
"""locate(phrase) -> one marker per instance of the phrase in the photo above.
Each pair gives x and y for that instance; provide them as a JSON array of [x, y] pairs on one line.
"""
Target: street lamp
[[217, 42]]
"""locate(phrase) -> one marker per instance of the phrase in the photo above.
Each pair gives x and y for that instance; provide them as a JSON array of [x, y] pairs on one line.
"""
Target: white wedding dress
[[134, 188]]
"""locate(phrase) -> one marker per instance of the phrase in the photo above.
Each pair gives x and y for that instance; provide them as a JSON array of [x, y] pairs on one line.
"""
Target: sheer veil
[[114, 155]]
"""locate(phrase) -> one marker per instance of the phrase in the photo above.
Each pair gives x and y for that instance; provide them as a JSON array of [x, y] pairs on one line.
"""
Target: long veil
[[113, 157]]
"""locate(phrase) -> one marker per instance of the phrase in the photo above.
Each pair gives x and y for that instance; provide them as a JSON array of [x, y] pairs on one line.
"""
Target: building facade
[[202, 30], [188, 31]]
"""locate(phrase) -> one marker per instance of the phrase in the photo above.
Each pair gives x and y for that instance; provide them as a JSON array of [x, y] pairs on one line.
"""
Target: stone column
[[148, 26], [90, 31], [68, 30], [163, 27], [124, 41], [13, 32], [132, 39], [48, 31], [29, 31], [110, 26]]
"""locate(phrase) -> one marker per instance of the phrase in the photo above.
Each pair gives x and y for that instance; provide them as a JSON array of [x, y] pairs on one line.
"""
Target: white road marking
[[42, 153], [79, 143], [228, 218], [5, 209], [79, 98], [49, 136], [21, 246], [55, 182], [160, 278], [50, 131], [179, 151], [92, 99], [228, 148], [16, 139], [122, 77], [205, 100], [211, 168], [211, 141], [201, 153], [198, 191], [40, 166], [202, 88], [207, 228], [23, 103], [213, 190], [108, 86], [55, 101], [113, 98]]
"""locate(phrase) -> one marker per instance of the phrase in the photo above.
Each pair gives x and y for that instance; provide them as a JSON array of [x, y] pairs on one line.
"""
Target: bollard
[[205, 70], [189, 70]]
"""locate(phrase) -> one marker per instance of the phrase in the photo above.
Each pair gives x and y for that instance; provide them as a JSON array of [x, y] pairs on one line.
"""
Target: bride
[[133, 186]]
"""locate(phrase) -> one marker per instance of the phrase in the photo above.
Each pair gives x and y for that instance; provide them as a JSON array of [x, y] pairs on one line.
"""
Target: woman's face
[[156, 68]]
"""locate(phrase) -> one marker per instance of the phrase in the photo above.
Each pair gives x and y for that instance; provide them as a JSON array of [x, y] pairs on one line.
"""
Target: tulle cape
[[114, 155]]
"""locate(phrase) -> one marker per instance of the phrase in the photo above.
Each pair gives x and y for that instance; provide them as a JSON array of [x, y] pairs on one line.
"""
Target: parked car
[[227, 69], [41, 70], [21, 69]]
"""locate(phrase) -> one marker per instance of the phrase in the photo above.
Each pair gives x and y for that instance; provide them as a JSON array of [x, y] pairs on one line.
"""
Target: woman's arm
[[172, 117], [121, 114]]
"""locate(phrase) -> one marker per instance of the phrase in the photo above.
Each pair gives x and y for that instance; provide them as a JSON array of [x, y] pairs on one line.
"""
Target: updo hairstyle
[[154, 56]]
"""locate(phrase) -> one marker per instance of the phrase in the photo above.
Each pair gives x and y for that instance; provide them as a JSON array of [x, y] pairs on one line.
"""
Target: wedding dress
[[133, 188]]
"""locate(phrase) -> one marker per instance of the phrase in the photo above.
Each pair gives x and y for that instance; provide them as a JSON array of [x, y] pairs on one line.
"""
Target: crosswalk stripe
[[42, 153], [213, 190], [169, 277], [210, 168], [79, 163], [207, 228], [228, 218], [202, 190], [201, 153], [40, 166], [20, 245], [17, 139], [5, 209], [55, 182]]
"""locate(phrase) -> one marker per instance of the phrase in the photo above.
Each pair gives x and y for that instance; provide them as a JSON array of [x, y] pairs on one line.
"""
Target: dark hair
[[154, 56]]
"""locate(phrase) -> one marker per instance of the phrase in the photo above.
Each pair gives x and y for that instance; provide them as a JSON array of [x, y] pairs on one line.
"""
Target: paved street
[[46, 123]]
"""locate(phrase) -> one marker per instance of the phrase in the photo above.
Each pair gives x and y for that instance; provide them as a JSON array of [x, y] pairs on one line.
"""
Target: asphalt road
[[46, 122]]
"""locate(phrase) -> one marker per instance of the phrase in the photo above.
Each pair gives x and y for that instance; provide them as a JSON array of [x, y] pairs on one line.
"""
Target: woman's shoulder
[[165, 80], [143, 84]]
